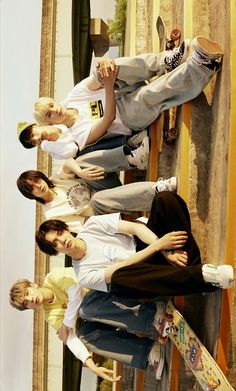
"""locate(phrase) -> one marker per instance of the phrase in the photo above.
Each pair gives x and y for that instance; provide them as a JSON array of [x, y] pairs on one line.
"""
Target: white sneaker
[[159, 321], [135, 140], [156, 359], [177, 56], [207, 52], [166, 184], [139, 157], [221, 276]]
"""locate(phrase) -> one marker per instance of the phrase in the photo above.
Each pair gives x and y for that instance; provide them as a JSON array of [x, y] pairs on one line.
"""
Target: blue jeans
[[104, 312]]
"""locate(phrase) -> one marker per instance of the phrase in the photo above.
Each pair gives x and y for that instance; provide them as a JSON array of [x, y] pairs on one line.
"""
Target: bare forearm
[[71, 166], [138, 257], [137, 229], [100, 127]]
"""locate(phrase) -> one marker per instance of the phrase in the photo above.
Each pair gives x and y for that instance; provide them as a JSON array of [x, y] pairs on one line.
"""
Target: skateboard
[[170, 129], [196, 356]]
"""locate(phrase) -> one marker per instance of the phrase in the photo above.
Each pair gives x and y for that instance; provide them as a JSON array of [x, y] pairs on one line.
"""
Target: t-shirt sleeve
[[94, 279], [60, 150], [107, 223], [77, 347]]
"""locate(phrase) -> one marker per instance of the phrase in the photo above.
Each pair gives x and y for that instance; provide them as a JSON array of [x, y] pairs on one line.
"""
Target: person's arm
[[101, 125], [93, 173], [175, 257], [80, 351], [137, 229], [172, 240]]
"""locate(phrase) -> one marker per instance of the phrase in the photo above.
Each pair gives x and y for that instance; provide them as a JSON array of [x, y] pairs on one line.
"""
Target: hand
[[108, 75], [107, 374], [103, 65], [177, 257], [172, 240], [93, 173], [63, 332]]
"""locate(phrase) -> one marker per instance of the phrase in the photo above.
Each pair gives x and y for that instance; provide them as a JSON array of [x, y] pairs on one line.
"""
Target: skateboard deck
[[170, 129], [196, 356]]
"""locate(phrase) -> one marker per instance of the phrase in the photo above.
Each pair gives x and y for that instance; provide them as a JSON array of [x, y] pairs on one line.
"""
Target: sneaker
[[135, 140], [207, 52], [177, 56], [139, 157], [156, 359], [159, 318], [166, 184], [221, 276]]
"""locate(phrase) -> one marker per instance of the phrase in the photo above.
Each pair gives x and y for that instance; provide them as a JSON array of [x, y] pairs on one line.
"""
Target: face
[[39, 133], [34, 297], [63, 241], [55, 113], [40, 188]]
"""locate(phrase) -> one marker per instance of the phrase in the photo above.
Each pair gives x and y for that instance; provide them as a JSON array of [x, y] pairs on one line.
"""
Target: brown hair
[[18, 292], [45, 245], [26, 189]]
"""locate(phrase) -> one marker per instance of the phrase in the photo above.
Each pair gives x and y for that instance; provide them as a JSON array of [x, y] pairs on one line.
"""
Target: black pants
[[155, 276]]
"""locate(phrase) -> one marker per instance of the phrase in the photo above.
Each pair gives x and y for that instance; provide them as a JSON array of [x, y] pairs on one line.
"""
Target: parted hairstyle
[[26, 189], [45, 245], [18, 292]]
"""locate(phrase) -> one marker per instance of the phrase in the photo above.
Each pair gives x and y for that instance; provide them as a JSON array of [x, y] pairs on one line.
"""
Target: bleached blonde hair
[[18, 292], [41, 110]]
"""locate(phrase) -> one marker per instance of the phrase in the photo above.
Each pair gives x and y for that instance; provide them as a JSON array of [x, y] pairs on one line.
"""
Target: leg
[[139, 68], [148, 280], [132, 197], [133, 70], [170, 213], [111, 160], [117, 345], [129, 314], [104, 143], [142, 106], [110, 181]]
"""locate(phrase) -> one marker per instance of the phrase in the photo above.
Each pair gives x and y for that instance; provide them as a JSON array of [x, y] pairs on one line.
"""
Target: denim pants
[[134, 197], [104, 313]]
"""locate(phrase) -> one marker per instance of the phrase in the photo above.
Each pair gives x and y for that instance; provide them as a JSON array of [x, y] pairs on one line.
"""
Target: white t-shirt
[[105, 246], [90, 105], [72, 199], [64, 147]]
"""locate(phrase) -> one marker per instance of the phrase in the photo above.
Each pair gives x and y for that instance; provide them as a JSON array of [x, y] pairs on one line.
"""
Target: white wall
[[20, 52]]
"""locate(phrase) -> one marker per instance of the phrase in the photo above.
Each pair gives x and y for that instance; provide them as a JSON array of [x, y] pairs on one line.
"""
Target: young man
[[135, 260], [63, 300], [127, 103], [69, 199]]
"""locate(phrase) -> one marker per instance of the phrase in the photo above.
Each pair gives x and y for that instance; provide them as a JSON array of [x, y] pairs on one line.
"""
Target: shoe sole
[[145, 142], [207, 47], [173, 182]]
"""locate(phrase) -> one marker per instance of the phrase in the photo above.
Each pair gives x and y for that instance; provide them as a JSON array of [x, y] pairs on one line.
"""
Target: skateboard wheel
[[168, 317], [173, 133], [163, 340], [175, 34]]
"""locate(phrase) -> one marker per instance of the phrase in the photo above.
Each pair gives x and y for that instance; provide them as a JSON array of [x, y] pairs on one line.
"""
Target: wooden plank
[[183, 185], [226, 316], [139, 380]]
